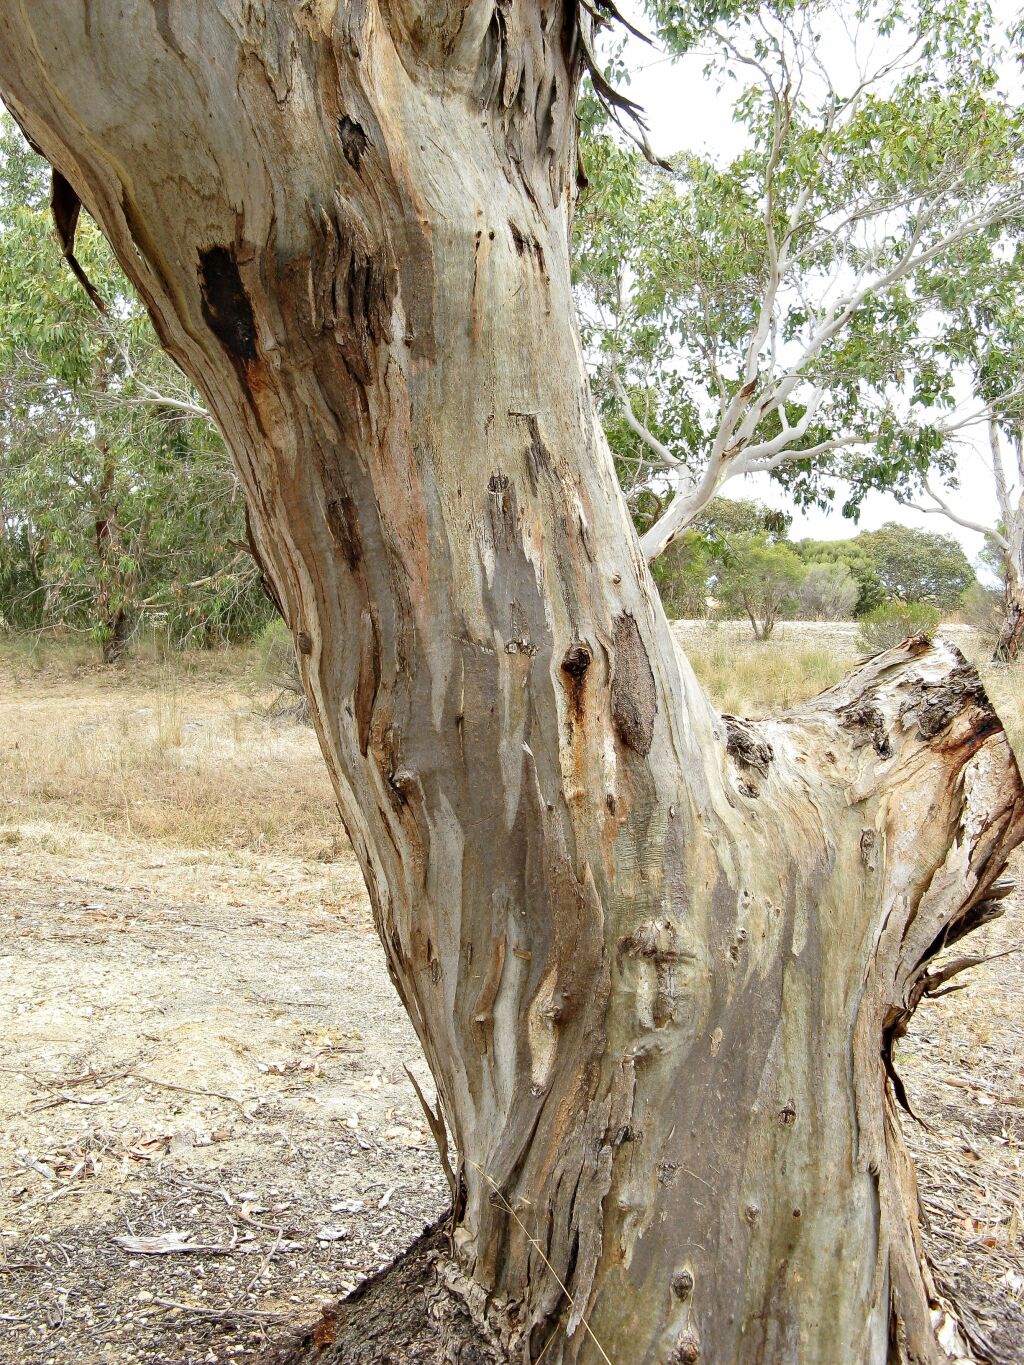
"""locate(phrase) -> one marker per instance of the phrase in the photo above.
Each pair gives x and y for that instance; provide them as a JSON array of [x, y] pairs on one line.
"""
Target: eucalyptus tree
[[117, 498], [656, 957], [981, 297], [764, 315]]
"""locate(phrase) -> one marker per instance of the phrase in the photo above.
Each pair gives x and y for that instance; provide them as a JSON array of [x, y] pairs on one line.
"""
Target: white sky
[[686, 111]]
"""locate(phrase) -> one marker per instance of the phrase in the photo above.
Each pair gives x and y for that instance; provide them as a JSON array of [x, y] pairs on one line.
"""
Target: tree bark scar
[[226, 307], [354, 141], [578, 659], [527, 245], [538, 457], [743, 745], [938, 704], [343, 525], [634, 695], [65, 206], [161, 12], [502, 511], [367, 679], [864, 717]]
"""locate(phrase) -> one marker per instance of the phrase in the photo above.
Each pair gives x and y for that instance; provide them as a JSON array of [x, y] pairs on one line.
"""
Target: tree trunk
[[1011, 633], [656, 958], [114, 620]]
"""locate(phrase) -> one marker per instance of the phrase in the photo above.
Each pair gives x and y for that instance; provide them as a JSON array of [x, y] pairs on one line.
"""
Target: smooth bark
[[656, 957]]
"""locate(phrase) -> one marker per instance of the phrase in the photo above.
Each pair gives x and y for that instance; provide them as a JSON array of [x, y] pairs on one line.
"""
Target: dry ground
[[200, 1037]]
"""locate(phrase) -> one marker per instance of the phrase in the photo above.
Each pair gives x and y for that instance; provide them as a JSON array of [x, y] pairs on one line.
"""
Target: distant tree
[[759, 580], [682, 574], [829, 592], [918, 566], [117, 499], [775, 314], [870, 589]]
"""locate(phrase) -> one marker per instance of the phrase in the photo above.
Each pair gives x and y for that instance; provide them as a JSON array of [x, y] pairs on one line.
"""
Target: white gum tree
[[768, 316], [656, 957]]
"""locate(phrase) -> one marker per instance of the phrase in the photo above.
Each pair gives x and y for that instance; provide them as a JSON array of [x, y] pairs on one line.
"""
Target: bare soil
[[203, 1041]]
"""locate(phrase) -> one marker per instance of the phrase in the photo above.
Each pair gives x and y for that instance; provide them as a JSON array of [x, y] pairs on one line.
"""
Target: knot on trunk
[[868, 726], [743, 744], [578, 659], [937, 704]]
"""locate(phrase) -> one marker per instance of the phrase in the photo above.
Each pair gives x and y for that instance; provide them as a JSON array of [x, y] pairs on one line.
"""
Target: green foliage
[[892, 622], [725, 518], [22, 590], [697, 284], [918, 566], [682, 574], [118, 503], [685, 571], [758, 580], [851, 555]]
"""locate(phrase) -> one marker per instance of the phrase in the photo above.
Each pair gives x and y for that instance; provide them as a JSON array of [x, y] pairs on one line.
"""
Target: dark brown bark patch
[[354, 141], [226, 307], [388, 1320], [634, 696], [743, 745]]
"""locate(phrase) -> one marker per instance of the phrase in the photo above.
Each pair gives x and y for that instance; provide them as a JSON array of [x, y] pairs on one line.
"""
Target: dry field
[[202, 1049]]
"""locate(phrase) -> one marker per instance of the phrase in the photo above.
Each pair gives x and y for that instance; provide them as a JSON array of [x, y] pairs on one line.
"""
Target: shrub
[[829, 592], [894, 621]]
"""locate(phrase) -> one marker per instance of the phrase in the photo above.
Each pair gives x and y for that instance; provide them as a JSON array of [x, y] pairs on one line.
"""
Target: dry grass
[[746, 678], [171, 751], [174, 748], [759, 679]]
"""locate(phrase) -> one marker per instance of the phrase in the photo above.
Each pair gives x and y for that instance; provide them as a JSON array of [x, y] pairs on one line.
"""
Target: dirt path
[[185, 1051]]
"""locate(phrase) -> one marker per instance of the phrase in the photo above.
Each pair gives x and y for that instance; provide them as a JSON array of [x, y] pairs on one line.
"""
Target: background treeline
[[737, 561], [119, 507]]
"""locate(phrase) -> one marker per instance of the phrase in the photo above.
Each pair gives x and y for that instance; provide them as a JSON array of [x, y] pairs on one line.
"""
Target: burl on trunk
[[656, 957]]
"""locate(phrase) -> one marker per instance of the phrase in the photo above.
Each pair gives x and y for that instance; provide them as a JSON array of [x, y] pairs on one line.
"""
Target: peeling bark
[[655, 957]]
